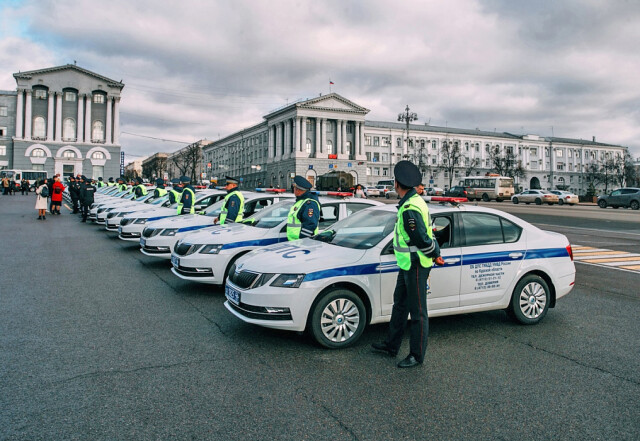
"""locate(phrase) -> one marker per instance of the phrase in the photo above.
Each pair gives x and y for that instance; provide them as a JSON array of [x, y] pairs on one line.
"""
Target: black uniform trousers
[[410, 296], [85, 211], [75, 203]]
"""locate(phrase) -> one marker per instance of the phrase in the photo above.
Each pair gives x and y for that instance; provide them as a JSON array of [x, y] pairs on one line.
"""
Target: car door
[[493, 249], [616, 198], [444, 281]]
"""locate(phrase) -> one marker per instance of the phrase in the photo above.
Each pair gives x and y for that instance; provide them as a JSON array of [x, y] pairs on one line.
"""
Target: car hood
[[304, 256], [184, 222], [233, 236], [160, 213]]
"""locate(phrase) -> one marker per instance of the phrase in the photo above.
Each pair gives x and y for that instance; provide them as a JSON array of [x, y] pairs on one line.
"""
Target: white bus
[[32, 176], [488, 187]]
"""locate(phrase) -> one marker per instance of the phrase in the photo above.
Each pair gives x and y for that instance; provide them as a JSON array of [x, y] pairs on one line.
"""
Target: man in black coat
[[86, 197], [74, 193]]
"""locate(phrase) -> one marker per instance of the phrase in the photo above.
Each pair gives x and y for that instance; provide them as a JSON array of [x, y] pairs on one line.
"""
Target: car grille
[[243, 279], [149, 232], [258, 312], [185, 249]]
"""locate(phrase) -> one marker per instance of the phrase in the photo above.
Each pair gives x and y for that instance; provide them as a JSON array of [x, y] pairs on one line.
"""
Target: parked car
[[371, 191], [622, 197], [457, 191], [433, 191], [537, 196], [566, 197], [391, 194], [384, 189]]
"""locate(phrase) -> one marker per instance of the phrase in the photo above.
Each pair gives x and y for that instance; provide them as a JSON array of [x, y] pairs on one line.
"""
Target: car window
[[616, 193], [487, 229], [256, 205], [361, 231], [442, 230], [329, 215], [271, 216], [354, 208], [628, 191]]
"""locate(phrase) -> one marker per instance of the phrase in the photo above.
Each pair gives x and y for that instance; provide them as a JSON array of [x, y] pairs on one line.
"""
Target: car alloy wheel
[[338, 319], [634, 205], [560, 202], [515, 200], [602, 203], [530, 300], [538, 201]]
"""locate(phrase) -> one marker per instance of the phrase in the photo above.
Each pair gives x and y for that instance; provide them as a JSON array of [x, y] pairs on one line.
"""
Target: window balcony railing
[[39, 138], [69, 139], [98, 141]]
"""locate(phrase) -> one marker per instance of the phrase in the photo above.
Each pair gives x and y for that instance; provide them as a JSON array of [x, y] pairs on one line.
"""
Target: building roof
[[309, 104], [29, 74]]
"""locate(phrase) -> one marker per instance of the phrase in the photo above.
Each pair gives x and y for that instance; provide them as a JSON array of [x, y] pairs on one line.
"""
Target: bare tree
[[625, 171], [187, 160], [470, 166], [506, 164], [451, 159]]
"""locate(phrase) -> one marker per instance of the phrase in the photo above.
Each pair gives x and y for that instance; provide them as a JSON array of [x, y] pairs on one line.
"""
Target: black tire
[[498, 200], [550, 203], [560, 202], [485, 197], [538, 201], [527, 203], [387, 196], [634, 205], [602, 203], [341, 311], [530, 300], [514, 200]]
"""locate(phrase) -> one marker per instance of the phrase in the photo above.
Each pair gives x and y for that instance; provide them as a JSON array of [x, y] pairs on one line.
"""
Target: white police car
[[207, 255], [343, 279], [98, 213], [132, 225], [115, 214], [159, 237]]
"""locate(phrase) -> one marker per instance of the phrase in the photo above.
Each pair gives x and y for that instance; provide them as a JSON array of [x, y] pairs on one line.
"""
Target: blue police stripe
[[358, 270], [547, 253], [498, 256], [159, 217], [253, 243], [193, 228]]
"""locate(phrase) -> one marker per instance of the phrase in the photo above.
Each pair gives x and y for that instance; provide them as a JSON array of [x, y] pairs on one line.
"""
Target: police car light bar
[[270, 190], [340, 194], [451, 200]]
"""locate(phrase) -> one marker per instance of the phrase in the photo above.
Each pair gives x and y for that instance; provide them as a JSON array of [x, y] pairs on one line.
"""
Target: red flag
[[330, 82]]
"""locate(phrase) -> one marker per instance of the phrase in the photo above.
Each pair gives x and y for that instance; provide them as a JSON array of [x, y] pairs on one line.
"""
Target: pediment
[[332, 102]]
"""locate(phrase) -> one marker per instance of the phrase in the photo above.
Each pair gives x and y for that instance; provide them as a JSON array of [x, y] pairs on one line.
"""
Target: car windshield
[[160, 200], [272, 216], [213, 210], [360, 231]]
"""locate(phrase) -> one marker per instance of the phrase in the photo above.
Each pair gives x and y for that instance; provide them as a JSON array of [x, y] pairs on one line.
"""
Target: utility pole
[[407, 117]]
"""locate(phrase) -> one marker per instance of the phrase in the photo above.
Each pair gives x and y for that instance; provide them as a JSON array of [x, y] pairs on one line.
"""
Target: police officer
[[160, 190], [233, 207], [111, 183], [415, 250], [305, 214], [186, 205], [139, 189], [86, 197], [100, 182], [121, 184], [176, 191], [74, 193]]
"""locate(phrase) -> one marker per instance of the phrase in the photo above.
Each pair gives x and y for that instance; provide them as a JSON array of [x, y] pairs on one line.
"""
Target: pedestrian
[[420, 189], [122, 186], [415, 250], [304, 216], [359, 193], [86, 197], [56, 195], [41, 200], [50, 185], [186, 205], [5, 185], [101, 182], [74, 193], [24, 186], [111, 183], [233, 208]]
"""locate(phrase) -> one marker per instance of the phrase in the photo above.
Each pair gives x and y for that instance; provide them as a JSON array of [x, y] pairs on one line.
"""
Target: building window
[[559, 166], [376, 141], [559, 153], [38, 127], [433, 145], [69, 96], [98, 99], [398, 142], [98, 131], [97, 155], [69, 154], [39, 167], [570, 153], [3, 150], [487, 147], [510, 150], [534, 151], [368, 171], [69, 129], [38, 153], [3, 131], [385, 171], [466, 146], [384, 157], [3, 110], [349, 128], [433, 161], [376, 171], [308, 145], [309, 126], [40, 94], [329, 148], [367, 140], [385, 140], [98, 171]]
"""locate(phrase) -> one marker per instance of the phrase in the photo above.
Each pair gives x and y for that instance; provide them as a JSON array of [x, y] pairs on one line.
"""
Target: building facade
[[66, 121], [188, 161], [155, 166], [7, 126], [327, 140], [133, 169]]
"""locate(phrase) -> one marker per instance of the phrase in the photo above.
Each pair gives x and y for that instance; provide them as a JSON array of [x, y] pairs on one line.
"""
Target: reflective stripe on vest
[[224, 211], [401, 247], [293, 223]]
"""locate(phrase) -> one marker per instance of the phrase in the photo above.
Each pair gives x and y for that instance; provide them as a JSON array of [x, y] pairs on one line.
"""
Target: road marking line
[[613, 259], [632, 267], [631, 263], [601, 253], [626, 233], [581, 248]]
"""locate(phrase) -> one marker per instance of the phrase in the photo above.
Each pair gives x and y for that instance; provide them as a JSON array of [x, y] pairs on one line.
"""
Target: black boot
[[39, 217]]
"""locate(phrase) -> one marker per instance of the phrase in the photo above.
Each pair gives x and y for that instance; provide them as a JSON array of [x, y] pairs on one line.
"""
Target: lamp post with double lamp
[[407, 117]]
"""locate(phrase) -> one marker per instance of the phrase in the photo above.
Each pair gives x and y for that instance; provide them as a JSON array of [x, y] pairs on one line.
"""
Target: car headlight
[[140, 221], [288, 280], [111, 215], [169, 232], [211, 249]]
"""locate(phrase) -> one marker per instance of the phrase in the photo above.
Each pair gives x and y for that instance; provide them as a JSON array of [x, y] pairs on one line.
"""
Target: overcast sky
[[204, 69]]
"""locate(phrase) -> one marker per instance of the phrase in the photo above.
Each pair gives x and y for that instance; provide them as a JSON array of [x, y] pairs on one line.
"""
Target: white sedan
[[207, 255], [159, 237], [343, 279], [566, 197]]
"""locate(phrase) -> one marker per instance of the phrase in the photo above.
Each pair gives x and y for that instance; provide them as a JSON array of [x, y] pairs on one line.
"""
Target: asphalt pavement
[[98, 341]]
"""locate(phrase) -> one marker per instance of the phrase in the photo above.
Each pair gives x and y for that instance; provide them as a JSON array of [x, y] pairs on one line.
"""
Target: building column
[[271, 147], [19, 110], [323, 136], [303, 136], [296, 136], [58, 133], [116, 120], [360, 155], [50, 99], [278, 127], [80, 121], [107, 133], [317, 148], [87, 119], [287, 139], [27, 116]]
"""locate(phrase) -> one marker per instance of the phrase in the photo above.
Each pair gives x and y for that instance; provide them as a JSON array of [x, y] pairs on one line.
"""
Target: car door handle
[[515, 255], [452, 260]]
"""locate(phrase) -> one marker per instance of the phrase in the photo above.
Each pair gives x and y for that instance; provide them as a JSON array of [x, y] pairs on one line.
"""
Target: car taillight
[[546, 195], [570, 251], [465, 192]]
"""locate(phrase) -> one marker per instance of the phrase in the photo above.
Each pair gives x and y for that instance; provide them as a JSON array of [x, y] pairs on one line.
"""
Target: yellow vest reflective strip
[[142, 187], [160, 192], [110, 184], [401, 247], [224, 210], [293, 223], [193, 201], [123, 187]]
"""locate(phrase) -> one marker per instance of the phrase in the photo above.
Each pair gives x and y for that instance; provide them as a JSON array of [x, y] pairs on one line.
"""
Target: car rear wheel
[[485, 197], [530, 300], [338, 319], [538, 201], [602, 203], [514, 200], [560, 202], [634, 205]]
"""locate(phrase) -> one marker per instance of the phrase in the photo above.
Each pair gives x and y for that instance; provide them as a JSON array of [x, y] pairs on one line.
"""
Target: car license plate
[[232, 294], [143, 242], [175, 261]]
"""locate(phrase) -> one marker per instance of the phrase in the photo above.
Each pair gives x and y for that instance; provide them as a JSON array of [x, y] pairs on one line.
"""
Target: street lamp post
[[407, 117]]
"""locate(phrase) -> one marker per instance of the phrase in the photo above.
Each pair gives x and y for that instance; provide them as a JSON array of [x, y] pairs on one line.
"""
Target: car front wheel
[[338, 319], [538, 201], [530, 300], [514, 200], [560, 202], [602, 203], [634, 205]]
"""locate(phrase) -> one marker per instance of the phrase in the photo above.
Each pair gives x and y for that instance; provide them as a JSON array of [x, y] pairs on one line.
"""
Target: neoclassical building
[[328, 137], [66, 121]]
